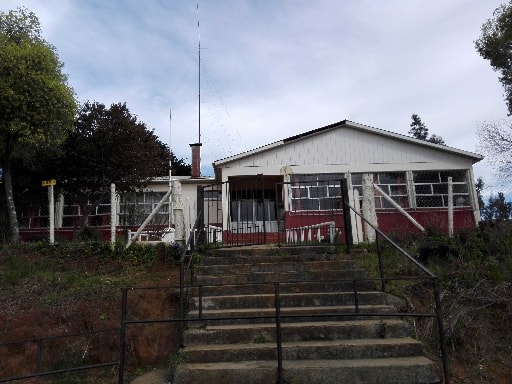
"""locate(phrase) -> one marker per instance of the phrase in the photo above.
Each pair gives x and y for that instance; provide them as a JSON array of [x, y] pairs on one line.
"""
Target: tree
[[436, 139], [495, 142], [495, 45], [497, 208], [109, 145], [37, 105], [420, 131], [479, 186]]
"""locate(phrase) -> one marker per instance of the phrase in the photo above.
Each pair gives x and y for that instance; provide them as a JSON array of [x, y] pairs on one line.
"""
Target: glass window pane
[[461, 201], [234, 210], [391, 178], [460, 188], [315, 192], [440, 188], [426, 177], [397, 190], [425, 189], [246, 210], [357, 179], [330, 204], [457, 175], [334, 191]]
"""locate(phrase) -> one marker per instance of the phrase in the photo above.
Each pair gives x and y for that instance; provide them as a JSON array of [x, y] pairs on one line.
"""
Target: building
[[291, 190], [398, 182]]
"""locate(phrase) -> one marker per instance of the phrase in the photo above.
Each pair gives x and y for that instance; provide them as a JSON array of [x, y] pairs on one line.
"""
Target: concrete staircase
[[236, 340]]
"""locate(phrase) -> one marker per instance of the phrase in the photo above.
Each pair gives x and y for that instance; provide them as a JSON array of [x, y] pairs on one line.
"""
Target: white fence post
[[450, 206], [179, 215], [51, 214], [113, 213]]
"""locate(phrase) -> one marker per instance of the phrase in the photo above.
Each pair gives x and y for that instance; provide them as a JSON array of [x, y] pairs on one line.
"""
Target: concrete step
[[325, 337], [418, 370], [268, 277], [288, 314], [306, 350], [284, 287], [304, 331], [275, 251], [275, 266], [290, 300]]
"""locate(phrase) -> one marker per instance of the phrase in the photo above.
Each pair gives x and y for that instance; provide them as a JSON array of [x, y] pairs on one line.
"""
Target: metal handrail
[[183, 272], [432, 276]]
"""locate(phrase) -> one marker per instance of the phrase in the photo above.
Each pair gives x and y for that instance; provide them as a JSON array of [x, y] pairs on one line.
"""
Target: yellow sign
[[47, 183]]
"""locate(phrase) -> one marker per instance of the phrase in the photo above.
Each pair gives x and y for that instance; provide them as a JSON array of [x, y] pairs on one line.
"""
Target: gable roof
[[474, 157]]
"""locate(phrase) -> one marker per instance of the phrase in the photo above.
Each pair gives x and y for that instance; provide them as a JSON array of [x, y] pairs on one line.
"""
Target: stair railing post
[[278, 335], [122, 334], [182, 300], [440, 327], [381, 267]]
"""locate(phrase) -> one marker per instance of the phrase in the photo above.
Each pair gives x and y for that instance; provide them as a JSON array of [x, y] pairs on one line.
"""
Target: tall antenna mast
[[199, 62], [171, 213]]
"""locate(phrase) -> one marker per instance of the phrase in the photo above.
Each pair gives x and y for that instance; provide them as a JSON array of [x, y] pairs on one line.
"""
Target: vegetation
[[109, 145], [73, 290], [420, 131], [38, 106], [44, 136], [474, 268], [494, 44], [495, 142]]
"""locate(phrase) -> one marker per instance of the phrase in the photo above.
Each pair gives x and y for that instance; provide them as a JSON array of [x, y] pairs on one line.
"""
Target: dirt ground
[[89, 306]]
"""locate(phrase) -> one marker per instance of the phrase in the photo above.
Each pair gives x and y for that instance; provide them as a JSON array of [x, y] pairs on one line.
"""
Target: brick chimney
[[196, 160]]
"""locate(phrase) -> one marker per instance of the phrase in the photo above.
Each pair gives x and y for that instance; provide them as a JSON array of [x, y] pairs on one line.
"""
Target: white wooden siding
[[345, 149]]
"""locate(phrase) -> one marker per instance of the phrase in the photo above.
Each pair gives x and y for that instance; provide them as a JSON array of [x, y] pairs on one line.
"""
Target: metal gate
[[249, 210], [238, 212], [315, 210]]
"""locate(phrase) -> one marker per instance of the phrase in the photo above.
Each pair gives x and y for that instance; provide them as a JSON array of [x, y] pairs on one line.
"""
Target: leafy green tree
[[109, 145], [36, 103], [497, 208], [420, 131], [495, 45]]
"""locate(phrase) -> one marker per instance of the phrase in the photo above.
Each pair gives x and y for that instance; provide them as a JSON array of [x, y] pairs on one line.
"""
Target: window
[[135, 207], [249, 210], [394, 184], [431, 188], [213, 194], [316, 192]]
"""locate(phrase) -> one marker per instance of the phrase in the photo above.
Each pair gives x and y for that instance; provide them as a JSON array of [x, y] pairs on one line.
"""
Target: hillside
[[70, 289], [73, 288]]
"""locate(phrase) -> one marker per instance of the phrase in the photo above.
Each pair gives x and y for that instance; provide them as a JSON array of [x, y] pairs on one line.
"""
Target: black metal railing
[[39, 369], [278, 317], [429, 275]]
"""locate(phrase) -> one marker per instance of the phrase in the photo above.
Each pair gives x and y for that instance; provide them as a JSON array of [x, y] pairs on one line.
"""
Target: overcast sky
[[272, 69]]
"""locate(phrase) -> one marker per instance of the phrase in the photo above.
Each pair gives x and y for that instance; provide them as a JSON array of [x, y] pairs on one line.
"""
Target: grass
[[476, 294]]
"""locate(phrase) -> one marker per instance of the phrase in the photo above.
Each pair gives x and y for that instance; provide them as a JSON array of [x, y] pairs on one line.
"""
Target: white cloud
[[271, 70]]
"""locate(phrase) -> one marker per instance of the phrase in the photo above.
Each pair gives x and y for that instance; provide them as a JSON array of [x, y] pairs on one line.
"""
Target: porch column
[[179, 217], [354, 202], [369, 206]]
